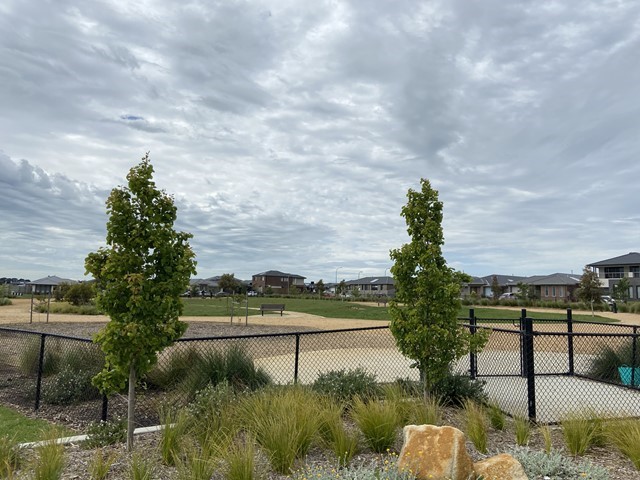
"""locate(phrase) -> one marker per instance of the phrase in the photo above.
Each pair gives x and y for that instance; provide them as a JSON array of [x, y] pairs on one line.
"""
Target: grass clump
[[605, 365], [10, 458], [475, 422], [625, 435], [172, 435], [240, 461], [284, 421], [497, 418], [538, 464], [378, 421], [197, 463], [522, 429], [581, 430], [140, 468], [101, 464], [344, 385], [49, 460], [545, 432], [453, 390], [336, 436]]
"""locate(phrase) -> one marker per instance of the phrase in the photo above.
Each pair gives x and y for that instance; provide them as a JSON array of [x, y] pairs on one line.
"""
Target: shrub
[[344, 385], [30, 357], [80, 294], [70, 386], [455, 389], [384, 468], [605, 365], [103, 433], [538, 464]]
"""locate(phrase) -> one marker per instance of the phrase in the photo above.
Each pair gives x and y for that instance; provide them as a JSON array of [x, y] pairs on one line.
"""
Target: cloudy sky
[[289, 132]]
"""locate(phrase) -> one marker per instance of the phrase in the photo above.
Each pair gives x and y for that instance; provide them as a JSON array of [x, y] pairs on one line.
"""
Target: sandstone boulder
[[500, 467], [435, 453]]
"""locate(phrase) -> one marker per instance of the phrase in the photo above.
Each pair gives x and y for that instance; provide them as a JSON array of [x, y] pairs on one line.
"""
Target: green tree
[[80, 293], [320, 287], [495, 288], [525, 292], [228, 283], [140, 276], [341, 288], [425, 308], [621, 290], [589, 289]]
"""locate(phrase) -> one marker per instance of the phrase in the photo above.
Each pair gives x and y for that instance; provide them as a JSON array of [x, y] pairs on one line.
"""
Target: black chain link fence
[[541, 369]]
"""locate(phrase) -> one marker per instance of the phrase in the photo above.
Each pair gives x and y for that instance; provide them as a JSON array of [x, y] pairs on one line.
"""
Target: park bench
[[271, 307]]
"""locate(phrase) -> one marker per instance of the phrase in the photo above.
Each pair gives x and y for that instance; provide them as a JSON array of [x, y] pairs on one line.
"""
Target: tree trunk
[[131, 405]]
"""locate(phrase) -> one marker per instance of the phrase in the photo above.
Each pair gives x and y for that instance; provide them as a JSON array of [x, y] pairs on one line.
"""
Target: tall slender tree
[[424, 311], [140, 275], [590, 288]]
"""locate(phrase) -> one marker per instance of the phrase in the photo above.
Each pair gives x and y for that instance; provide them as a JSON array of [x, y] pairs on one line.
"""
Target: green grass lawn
[[216, 307], [24, 429]]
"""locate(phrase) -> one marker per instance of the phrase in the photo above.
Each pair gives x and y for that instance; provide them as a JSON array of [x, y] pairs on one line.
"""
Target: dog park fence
[[535, 368]]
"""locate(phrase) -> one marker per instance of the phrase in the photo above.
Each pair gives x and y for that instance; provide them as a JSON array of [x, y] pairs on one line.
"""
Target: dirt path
[[18, 313]]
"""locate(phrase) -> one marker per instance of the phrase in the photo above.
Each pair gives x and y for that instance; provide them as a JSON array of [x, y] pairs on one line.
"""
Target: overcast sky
[[289, 132]]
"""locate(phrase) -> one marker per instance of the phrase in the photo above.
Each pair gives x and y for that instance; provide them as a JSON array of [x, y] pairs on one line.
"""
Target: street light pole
[[385, 272], [359, 274]]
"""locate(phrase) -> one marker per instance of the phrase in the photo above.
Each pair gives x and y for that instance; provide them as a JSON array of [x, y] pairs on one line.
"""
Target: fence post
[[297, 359], [634, 353], [531, 377], [523, 368], [570, 340], [40, 369], [473, 356]]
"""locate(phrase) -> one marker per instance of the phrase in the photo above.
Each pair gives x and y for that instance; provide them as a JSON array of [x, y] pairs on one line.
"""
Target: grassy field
[[216, 307]]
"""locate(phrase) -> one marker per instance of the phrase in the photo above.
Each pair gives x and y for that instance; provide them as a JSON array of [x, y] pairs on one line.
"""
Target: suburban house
[[207, 285], [555, 287], [610, 272], [278, 282], [474, 288], [382, 286], [46, 285], [507, 283]]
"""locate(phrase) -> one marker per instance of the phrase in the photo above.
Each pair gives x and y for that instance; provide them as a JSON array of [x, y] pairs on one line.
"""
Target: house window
[[635, 271], [613, 272], [553, 291], [546, 291], [561, 294]]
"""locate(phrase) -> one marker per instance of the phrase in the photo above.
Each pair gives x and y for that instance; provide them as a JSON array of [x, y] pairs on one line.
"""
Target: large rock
[[435, 453], [500, 467]]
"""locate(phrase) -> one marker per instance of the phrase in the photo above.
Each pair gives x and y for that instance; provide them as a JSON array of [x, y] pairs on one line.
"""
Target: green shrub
[[30, 357], [537, 464], [69, 386], [523, 430], [337, 437], [101, 434], [5, 301], [190, 371], [80, 293], [344, 385], [605, 365], [497, 417], [453, 390]]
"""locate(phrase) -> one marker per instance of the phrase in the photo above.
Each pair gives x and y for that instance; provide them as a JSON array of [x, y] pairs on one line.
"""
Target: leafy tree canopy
[[140, 275], [427, 297]]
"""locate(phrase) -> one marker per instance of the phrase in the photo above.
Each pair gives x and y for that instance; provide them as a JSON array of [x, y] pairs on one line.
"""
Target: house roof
[[52, 280], [475, 281], [372, 281], [554, 279], [631, 258], [277, 273], [503, 279]]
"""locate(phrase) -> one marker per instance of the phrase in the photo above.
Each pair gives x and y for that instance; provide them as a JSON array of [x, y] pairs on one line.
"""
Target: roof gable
[[631, 258]]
